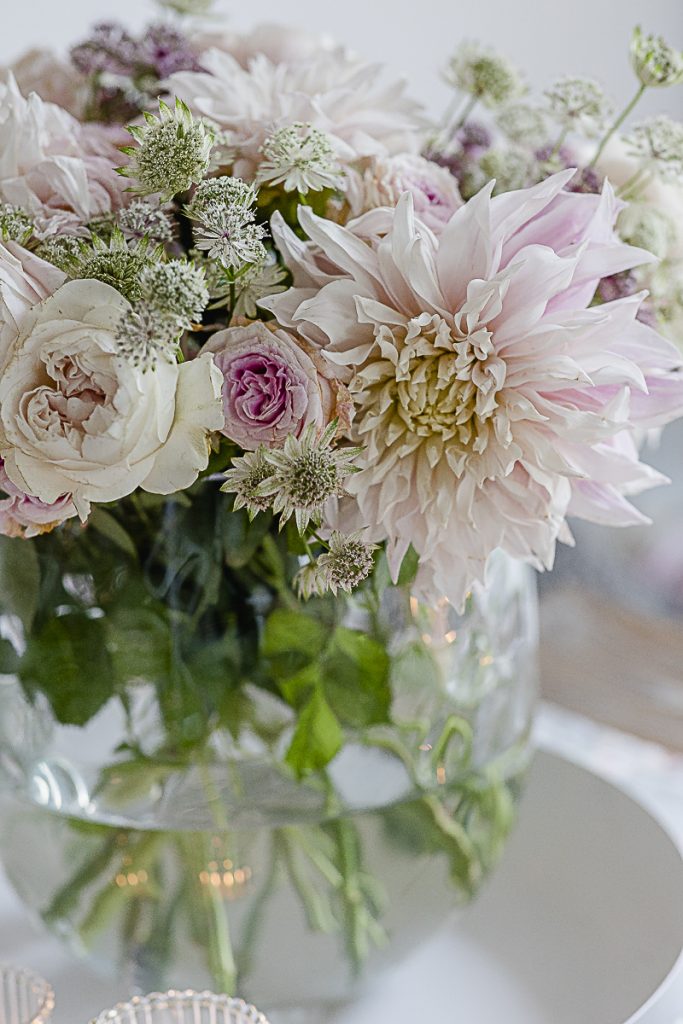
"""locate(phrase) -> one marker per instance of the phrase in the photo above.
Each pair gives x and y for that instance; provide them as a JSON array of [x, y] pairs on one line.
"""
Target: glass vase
[[211, 784], [182, 1008], [25, 998]]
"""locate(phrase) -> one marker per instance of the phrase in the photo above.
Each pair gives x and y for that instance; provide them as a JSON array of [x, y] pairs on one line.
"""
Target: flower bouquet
[[295, 386]]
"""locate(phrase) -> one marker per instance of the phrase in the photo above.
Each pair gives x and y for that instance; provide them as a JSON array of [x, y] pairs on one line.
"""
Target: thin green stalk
[[628, 109], [464, 117]]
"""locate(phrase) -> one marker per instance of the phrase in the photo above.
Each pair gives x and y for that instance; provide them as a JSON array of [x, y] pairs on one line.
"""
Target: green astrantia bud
[[114, 263], [484, 75], [173, 152], [187, 7], [654, 61], [177, 289]]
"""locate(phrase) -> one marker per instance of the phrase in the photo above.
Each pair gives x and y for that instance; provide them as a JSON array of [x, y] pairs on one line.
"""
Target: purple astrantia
[[273, 386], [166, 50]]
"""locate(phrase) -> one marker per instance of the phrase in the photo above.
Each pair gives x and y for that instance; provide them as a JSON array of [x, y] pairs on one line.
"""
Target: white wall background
[[546, 37]]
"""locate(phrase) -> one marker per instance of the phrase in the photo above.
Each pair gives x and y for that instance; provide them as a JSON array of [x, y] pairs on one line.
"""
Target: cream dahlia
[[339, 96], [492, 399]]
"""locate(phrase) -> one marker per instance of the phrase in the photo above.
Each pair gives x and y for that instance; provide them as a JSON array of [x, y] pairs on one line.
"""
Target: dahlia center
[[447, 383]]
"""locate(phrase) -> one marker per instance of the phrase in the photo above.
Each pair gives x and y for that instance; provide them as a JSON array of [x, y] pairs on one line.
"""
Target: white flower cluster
[[225, 222], [301, 159]]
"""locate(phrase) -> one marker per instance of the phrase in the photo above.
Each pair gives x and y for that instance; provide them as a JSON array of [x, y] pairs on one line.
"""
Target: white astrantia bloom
[[224, 213], [492, 399], [177, 289], [331, 91], [484, 75], [77, 419], [144, 335], [579, 104], [301, 159], [143, 219], [659, 142]]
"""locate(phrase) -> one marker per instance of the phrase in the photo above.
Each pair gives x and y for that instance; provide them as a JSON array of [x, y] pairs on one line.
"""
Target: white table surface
[[459, 976]]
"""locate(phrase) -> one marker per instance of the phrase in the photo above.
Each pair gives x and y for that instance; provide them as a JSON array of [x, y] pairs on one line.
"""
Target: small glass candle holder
[[182, 1008], [24, 997]]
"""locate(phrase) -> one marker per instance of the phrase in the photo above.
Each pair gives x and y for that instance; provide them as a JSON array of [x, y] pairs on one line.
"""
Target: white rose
[[76, 418]]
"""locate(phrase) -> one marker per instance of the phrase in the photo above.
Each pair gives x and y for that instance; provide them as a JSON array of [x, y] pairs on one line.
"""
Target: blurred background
[[584, 37], [612, 612]]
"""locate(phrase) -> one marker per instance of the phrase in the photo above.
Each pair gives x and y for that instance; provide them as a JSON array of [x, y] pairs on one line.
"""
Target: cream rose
[[76, 418]]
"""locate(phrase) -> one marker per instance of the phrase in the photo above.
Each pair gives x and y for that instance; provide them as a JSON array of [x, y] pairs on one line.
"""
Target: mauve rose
[[435, 191], [23, 515], [273, 385]]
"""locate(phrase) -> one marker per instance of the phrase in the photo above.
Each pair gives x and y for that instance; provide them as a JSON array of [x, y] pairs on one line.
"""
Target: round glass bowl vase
[[25, 998], [164, 811], [182, 1008]]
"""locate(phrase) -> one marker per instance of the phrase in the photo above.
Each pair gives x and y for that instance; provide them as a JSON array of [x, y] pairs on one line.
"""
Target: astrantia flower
[[306, 473], [177, 289], [493, 400], [301, 159], [114, 263], [225, 228], [578, 104], [244, 478], [338, 95], [144, 335], [15, 224], [172, 153], [187, 7], [484, 75], [143, 220], [654, 61], [511, 167], [523, 123], [659, 142], [348, 562]]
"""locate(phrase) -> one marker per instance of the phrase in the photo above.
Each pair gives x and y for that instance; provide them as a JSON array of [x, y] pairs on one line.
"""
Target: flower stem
[[465, 115], [617, 124]]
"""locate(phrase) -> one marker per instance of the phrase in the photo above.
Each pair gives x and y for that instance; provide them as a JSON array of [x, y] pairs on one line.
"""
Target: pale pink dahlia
[[492, 398], [336, 94]]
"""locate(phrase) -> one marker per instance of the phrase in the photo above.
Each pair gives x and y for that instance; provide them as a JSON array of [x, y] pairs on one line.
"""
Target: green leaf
[[317, 737], [356, 679], [292, 640], [409, 567], [241, 537], [109, 527], [140, 644], [68, 661], [297, 688], [19, 578], [9, 659]]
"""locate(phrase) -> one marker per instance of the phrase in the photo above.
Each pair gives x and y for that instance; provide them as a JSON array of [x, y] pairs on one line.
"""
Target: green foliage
[[19, 579], [67, 660]]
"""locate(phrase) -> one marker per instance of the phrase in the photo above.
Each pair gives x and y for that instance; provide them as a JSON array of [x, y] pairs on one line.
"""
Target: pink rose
[[22, 515], [273, 385], [435, 191]]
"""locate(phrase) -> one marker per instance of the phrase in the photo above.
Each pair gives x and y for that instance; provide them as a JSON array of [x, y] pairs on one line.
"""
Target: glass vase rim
[[183, 999], [38, 987]]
